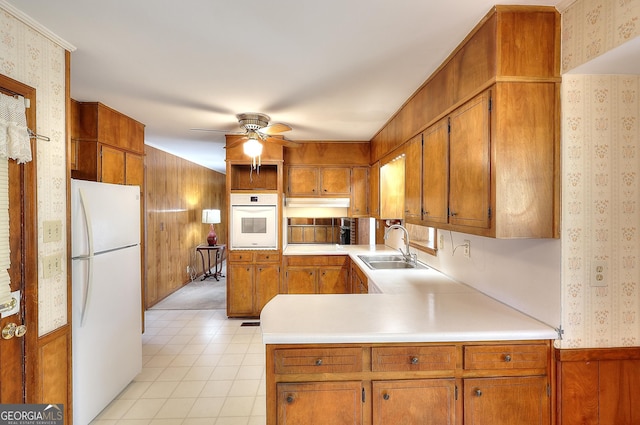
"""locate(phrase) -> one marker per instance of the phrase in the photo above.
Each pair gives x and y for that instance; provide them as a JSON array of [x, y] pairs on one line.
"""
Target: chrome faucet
[[411, 258]]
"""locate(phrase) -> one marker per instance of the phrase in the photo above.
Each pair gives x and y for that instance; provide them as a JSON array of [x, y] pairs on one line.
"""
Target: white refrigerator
[[106, 281]]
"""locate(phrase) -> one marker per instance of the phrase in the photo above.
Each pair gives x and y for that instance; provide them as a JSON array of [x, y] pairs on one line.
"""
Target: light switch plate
[[51, 265], [52, 230]]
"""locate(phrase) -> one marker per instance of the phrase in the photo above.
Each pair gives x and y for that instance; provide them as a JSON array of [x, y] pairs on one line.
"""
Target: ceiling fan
[[257, 128]]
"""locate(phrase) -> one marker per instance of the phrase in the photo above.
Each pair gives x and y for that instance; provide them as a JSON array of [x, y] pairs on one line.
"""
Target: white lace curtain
[[14, 144]]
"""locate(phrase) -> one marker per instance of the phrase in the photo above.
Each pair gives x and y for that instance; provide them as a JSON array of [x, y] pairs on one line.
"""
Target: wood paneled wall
[[599, 386], [176, 193]]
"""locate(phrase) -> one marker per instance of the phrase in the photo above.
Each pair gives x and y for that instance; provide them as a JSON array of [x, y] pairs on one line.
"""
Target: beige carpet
[[207, 294]]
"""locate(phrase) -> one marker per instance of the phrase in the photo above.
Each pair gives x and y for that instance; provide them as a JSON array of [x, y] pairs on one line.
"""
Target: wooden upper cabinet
[[100, 123], [134, 169], [511, 43], [359, 193], [413, 180], [303, 181], [527, 42], [106, 145], [319, 181], [112, 165], [374, 190], [335, 181], [475, 63], [469, 166], [435, 172]]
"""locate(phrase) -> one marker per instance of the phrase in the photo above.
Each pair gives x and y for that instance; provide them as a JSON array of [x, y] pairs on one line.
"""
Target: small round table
[[218, 256]]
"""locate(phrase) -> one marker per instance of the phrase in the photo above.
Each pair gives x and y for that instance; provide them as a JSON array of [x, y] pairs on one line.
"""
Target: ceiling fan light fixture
[[252, 148]]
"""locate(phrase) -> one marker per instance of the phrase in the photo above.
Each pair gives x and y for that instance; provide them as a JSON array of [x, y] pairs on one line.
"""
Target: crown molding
[[28, 20]]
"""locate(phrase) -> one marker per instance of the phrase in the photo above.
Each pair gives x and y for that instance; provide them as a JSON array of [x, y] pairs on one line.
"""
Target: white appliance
[[254, 221], [106, 279]]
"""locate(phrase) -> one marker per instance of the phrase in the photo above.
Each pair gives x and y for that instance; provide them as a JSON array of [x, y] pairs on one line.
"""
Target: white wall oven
[[254, 221]]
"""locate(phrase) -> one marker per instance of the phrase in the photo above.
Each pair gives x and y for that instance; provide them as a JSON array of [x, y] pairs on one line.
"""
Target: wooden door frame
[[27, 259]]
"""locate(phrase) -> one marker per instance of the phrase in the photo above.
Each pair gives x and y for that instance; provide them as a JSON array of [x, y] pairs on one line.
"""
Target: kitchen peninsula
[[420, 348]]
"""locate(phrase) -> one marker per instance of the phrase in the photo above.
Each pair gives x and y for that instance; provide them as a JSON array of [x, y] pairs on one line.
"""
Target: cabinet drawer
[[318, 360], [388, 359], [316, 260], [267, 257], [239, 257], [505, 357]]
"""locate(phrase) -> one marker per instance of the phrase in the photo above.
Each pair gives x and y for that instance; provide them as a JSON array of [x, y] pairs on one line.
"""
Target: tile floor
[[198, 368]]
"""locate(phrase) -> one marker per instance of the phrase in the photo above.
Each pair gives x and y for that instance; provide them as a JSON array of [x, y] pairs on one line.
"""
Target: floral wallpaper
[[593, 27], [600, 187], [30, 57], [601, 210]]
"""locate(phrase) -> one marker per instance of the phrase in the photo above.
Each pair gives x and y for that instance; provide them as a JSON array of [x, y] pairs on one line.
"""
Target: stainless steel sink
[[386, 262]]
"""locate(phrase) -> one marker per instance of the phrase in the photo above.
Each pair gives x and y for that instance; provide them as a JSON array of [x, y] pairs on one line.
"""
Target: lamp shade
[[211, 216]]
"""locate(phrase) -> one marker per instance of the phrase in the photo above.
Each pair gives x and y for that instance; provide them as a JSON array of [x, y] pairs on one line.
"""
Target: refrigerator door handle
[[89, 277]]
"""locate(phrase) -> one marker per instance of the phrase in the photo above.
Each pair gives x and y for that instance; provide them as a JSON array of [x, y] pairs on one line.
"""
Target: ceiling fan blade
[[217, 131], [236, 141], [280, 140], [276, 127]]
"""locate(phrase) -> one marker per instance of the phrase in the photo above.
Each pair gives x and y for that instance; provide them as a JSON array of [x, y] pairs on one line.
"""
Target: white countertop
[[418, 305]]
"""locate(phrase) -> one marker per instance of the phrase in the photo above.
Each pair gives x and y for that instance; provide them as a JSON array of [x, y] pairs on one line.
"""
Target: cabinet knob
[[478, 392], [386, 396], [453, 214], [319, 362], [507, 358], [414, 360], [289, 398]]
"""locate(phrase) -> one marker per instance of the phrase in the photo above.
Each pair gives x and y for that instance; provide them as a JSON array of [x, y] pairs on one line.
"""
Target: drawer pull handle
[[478, 393], [414, 360], [289, 399], [507, 358], [386, 396], [319, 362]]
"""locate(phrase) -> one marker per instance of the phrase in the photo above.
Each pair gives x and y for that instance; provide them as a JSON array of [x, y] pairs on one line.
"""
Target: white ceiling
[[331, 69]]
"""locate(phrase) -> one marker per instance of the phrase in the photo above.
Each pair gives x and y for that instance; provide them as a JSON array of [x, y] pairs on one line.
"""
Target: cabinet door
[[335, 181], [303, 181], [134, 169], [267, 277], [240, 290], [418, 401], [300, 280], [506, 401], [470, 179], [435, 173], [359, 198], [374, 190], [333, 280], [111, 165], [335, 403], [413, 180]]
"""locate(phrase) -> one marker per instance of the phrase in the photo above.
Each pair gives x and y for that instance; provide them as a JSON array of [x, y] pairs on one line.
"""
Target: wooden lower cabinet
[[507, 400], [417, 401], [253, 278], [338, 403], [359, 281], [311, 274], [412, 383]]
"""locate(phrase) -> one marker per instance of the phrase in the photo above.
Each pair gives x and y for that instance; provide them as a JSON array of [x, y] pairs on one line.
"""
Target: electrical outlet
[[467, 248], [188, 269], [440, 241], [600, 273]]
